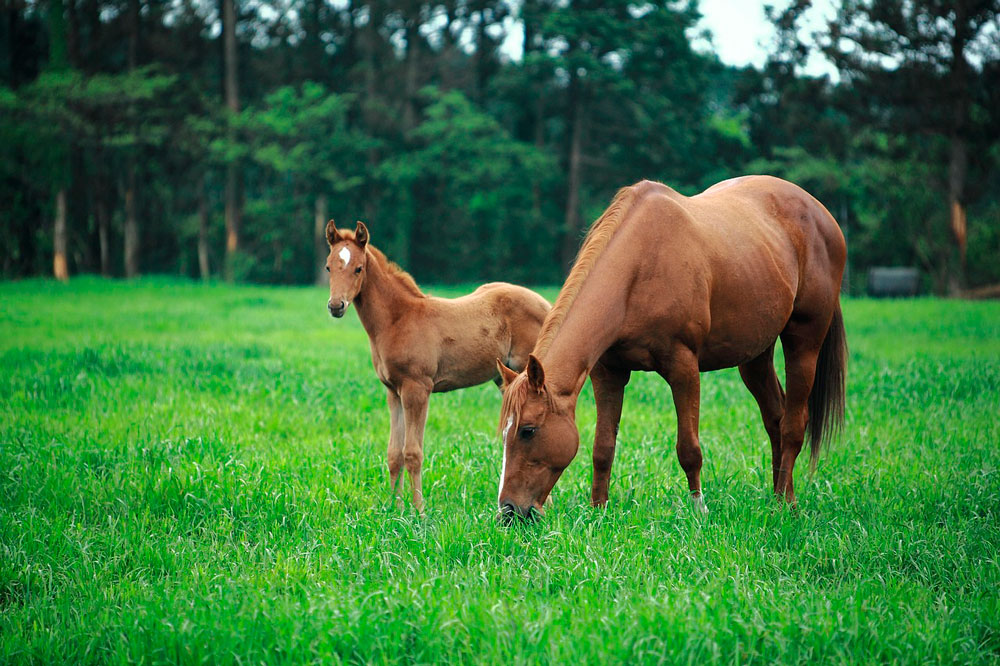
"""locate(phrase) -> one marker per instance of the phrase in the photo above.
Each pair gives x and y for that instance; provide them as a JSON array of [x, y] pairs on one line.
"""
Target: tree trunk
[[234, 181], [203, 266], [60, 269], [959, 155], [58, 47], [103, 231], [73, 34], [58, 60], [412, 67], [131, 221], [233, 187], [845, 285], [369, 43], [319, 236], [314, 49], [131, 228], [957, 169], [529, 14], [480, 58], [571, 237]]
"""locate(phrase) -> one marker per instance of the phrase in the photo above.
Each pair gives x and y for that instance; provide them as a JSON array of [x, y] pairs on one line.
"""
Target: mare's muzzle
[[510, 512]]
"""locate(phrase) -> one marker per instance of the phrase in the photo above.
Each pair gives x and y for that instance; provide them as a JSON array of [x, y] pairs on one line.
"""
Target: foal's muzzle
[[337, 310]]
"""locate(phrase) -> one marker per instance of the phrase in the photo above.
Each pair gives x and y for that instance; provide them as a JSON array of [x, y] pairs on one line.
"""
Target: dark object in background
[[893, 281]]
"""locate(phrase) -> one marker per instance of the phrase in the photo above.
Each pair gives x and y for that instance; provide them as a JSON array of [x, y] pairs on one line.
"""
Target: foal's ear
[[506, 375], [536, 375], [332, 235], [361, 234]]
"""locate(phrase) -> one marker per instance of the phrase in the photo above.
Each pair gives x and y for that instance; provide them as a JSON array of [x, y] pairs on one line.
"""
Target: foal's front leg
[[414, 396], [394, 455]]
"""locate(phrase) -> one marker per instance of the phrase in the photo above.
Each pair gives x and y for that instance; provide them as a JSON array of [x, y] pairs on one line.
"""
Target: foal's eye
[[527, 432], [357, 270], [327, 269]]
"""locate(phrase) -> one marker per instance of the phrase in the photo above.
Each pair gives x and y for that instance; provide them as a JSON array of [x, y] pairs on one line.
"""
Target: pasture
[[197, 474]]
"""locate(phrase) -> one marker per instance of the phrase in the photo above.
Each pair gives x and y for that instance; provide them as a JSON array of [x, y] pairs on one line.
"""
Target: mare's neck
[[383, 297], [592, 324]]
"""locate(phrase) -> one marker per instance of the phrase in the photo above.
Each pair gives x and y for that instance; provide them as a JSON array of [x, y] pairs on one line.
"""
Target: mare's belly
[[742, 334]]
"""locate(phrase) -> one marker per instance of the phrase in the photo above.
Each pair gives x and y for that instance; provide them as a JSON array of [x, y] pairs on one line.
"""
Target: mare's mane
[[597, 239]]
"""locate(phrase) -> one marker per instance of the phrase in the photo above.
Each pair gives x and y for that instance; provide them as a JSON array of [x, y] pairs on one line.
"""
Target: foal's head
[[539, 440], [346, 265]]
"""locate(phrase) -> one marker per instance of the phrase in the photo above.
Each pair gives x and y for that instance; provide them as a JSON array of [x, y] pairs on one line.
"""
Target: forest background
[[214, 139]]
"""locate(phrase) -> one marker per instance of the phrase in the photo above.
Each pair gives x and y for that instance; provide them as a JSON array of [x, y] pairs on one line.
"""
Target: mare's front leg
[[414, 396], [685, 384], [609, 390], [394, 455]]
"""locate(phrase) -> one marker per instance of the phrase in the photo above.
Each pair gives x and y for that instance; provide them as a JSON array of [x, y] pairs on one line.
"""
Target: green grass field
[[196, 474]]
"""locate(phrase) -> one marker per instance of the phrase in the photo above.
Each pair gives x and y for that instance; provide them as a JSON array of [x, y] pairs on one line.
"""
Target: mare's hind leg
[[414, 396], [394, 455], [609, 389], [801, 341], [762, 382]]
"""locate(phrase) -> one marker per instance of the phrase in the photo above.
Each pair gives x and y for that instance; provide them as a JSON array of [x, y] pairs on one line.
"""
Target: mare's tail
[[826, 401]]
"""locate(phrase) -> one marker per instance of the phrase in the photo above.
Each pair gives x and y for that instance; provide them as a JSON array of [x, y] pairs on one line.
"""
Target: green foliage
[[408, 116], [305, 133], [197, 474], [480, 180]]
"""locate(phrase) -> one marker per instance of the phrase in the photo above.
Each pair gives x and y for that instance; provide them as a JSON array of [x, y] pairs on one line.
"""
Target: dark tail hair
[[826, 401]]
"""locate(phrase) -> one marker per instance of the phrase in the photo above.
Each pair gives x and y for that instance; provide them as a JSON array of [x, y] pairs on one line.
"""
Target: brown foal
[[681, 285], [421, 344]]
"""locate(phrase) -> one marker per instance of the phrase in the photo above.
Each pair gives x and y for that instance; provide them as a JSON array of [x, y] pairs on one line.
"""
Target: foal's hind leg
[[801, 342], [394, 455], [414, 396], [762, 382]]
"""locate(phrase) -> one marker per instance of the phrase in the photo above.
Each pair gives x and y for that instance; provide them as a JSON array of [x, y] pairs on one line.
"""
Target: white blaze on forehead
[[503, 467], [345, 255]]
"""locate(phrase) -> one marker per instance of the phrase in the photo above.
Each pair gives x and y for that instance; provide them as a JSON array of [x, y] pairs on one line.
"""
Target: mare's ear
[[332, 235], [536, 375], [506, 375], [361, 234]]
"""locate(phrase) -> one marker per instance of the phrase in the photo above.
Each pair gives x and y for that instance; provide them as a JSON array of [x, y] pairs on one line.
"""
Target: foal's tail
[[826, 401]]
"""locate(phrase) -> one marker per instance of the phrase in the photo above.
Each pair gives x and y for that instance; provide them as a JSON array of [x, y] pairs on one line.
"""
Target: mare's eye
[[357, 270], [527, 432], [327, 269]]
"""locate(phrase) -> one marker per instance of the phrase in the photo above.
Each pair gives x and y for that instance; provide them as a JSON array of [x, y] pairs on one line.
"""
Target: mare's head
[[346, 265], [539, 440]]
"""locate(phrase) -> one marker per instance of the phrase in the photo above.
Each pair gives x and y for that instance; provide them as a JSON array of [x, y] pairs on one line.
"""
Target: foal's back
[[463, 337]]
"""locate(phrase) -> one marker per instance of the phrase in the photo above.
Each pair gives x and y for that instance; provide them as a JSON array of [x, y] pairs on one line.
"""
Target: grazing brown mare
[[421, 344], [681, 285]]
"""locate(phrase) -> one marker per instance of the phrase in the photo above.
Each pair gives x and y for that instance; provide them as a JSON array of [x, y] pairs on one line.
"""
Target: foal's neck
[[384, 296]]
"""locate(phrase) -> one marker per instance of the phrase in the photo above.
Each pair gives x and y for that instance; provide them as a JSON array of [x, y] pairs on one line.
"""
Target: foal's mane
[[597, 239], [391, 268]]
